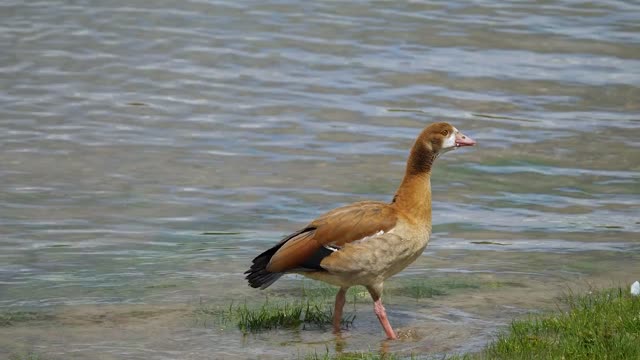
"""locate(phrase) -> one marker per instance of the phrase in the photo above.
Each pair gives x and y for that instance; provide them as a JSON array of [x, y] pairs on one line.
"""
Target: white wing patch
[[331, 248], [369, 237], [336, 248]]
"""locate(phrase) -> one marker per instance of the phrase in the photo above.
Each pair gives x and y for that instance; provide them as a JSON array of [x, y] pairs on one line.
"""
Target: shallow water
[[128, 129]]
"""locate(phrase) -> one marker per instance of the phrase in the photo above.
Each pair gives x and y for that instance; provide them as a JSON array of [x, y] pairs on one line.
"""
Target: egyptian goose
[[366, 242]]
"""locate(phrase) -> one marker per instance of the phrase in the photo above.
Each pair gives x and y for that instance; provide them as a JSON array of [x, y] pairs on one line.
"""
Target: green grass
[[312, 307], [272, 315], [602, 325], [9, 318]]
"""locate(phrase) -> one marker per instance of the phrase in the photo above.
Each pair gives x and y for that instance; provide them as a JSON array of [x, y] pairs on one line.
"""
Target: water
[[127, 129]]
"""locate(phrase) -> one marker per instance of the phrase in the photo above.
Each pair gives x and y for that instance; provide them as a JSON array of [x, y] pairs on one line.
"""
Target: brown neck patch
[[421, 159]]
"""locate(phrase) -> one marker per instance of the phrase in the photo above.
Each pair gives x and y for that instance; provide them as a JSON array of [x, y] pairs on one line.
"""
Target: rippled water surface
[[128, 129]]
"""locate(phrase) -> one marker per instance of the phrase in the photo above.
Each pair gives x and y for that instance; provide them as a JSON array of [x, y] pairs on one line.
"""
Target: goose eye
[[445, 132]]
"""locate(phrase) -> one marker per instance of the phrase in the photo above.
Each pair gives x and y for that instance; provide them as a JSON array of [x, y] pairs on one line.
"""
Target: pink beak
[[463, 140]]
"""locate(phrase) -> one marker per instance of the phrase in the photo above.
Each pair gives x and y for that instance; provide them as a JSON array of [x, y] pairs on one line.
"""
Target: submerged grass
[[28, 355], [9, 318], [430, 287], [421, 290], [353, 356], [325, 292]]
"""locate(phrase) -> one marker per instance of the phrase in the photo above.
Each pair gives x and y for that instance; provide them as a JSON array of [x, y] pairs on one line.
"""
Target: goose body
[[365, 243]]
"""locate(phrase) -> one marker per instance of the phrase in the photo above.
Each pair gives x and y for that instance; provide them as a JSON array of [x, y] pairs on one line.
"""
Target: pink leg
[[337, 312], [382, 316], [376, 294]]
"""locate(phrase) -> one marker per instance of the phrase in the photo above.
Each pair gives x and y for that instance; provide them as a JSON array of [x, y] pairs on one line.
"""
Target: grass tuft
[[273, 315], [601, 325]]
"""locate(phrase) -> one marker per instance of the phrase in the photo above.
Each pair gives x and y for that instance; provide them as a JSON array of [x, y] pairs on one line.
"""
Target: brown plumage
[[366, 242]]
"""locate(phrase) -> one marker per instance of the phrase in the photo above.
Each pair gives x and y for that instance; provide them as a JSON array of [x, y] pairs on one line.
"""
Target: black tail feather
[[262, 278], [257, 275]]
